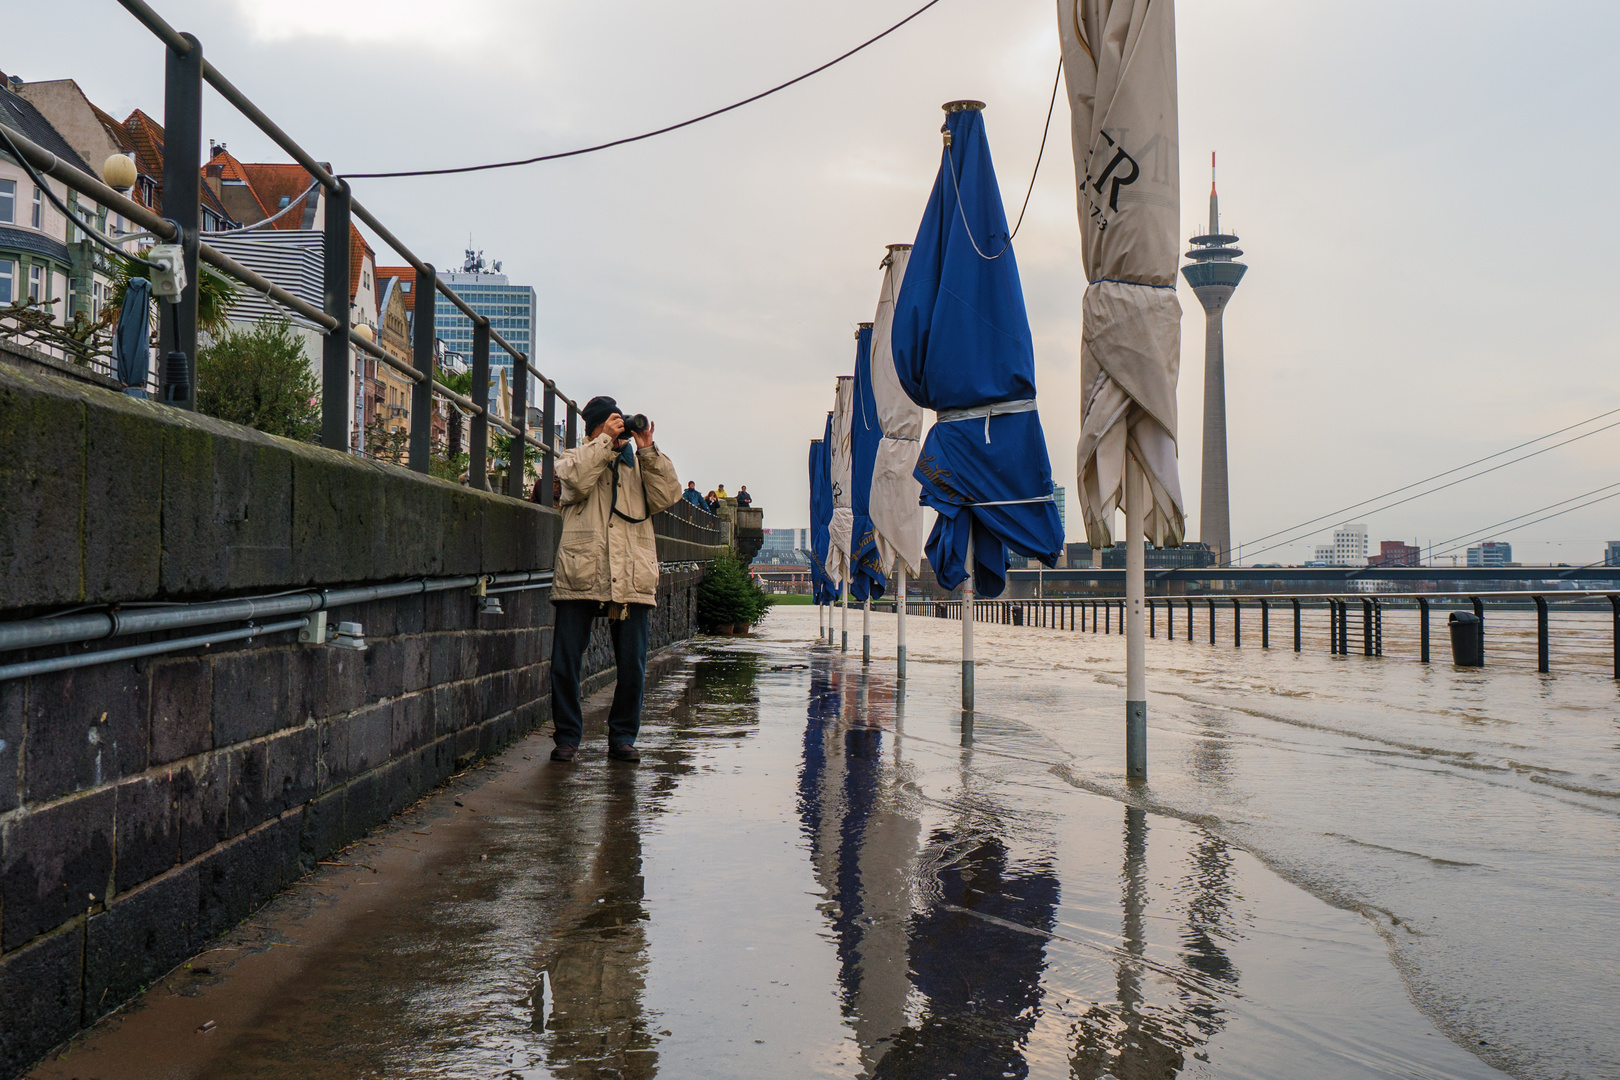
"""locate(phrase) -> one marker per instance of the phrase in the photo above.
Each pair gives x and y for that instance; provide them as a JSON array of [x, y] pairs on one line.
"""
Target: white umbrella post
[[866, 630], [1136, 498], [844, 604], [900, 634], [821, 622], [967, 628]]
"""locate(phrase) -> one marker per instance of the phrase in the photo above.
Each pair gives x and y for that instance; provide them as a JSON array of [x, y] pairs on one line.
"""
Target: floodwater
[[1340, 867]]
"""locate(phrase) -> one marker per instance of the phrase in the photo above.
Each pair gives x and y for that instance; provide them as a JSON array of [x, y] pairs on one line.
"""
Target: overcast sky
[[1422, 189]]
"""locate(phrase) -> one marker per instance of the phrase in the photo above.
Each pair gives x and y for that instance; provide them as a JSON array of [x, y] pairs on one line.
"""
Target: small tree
[[260, 378], [729, 596]]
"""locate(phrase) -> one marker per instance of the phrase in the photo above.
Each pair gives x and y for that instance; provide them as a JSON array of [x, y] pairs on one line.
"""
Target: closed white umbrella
[[841, 531], [896, 513], [1119, 61]]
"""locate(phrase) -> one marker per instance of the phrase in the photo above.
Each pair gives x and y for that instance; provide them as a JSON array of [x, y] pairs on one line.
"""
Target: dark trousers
[[571, 634]]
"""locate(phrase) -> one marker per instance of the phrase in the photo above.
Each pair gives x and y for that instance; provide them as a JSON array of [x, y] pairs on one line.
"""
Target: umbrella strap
[[1014, 502], [995, 408]]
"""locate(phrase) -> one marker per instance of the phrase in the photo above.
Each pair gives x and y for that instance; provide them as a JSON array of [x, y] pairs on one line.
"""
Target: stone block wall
[[148, 805]]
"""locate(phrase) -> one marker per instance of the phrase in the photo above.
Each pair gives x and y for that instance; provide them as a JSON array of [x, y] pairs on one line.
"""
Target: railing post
[[182, 204], [1108, 617], [1479, 613], [1296, 623], [1189, 620], [1378, 627], [478, 443], [1542, 664], [571, 435], [423, 334], [1211, 603], [1237, 623], [1265, 624], [336, 383], [1423, 630], [548, 421], [1170, 620], [517, 470], [1366, 627], [1614, 602], [1152, 620]]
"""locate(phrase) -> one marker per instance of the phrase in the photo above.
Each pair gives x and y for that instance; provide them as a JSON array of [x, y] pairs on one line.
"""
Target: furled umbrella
[[841, 527], [896, 515], [822, 586], [1119, 59], [867, 578], [962, 347], [132, 341]]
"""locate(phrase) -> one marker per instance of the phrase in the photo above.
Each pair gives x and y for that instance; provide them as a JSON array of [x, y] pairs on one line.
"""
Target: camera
[[633, 423]]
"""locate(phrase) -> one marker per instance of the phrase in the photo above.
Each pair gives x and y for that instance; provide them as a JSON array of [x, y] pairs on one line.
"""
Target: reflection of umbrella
[[132, 338], [962, 347], [1120, 61]]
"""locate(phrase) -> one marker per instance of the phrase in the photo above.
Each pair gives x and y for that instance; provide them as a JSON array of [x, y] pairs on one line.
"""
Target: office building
[[509, 308], [784, 547], [1191, 555], [1349, 548], [1214, 275], [1397, 553], [1058, 495], [1611, 554], [1491, 553]]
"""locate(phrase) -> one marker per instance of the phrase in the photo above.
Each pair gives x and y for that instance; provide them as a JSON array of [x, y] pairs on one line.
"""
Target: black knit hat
[[597, 410]]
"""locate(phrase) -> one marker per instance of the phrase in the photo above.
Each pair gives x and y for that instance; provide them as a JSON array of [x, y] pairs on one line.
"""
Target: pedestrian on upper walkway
[[744, 499], [720, 492], [712, 502], [691, 495], [607, 566]]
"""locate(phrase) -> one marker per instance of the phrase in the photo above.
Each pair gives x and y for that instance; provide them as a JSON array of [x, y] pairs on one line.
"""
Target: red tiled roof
[[272, 183], [226, 167], [146, 137], [115, 130], [358, 250], [406, 274]]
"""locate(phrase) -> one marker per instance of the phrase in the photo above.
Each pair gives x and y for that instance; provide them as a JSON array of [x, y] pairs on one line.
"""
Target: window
[[8, 280], [37, 220], [8, 201], [36, 283], [285, 199]]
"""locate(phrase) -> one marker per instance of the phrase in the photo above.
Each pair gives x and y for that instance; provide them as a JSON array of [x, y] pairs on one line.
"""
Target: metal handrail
[[181, 45]]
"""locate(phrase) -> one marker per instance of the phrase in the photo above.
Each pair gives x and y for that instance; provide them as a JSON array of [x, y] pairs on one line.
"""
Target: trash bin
[[1018, 615], [1467, 648]]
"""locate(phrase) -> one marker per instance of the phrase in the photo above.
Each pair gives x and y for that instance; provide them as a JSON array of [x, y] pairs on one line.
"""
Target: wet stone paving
[[815, 871]]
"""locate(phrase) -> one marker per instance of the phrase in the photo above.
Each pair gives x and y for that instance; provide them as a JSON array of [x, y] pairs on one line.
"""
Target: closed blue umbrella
[[820, 515], [865, 433], [962, 347]]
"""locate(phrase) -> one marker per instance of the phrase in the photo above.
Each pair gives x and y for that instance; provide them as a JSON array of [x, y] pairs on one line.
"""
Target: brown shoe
[[563, 752], [624, 752]]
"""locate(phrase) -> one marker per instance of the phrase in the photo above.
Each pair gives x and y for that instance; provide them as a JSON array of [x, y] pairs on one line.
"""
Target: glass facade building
[[509, 309]]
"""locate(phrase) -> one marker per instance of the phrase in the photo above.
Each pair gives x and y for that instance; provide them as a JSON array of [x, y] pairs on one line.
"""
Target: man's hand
[[643, 438], [613, 428]]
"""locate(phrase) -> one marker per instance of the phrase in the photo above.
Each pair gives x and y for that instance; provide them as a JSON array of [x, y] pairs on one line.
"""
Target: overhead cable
[[1474, 534], [646, 134]]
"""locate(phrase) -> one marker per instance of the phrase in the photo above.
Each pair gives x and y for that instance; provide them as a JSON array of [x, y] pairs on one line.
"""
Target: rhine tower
[[1214, 275]]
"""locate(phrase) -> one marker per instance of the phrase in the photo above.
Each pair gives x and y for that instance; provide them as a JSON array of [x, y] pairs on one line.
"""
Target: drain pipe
[[155, 648], [66, 629]]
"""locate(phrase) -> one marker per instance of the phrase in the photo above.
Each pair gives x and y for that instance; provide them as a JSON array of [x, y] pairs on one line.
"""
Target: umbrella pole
[[844, 604], [1135, 653], [967, 629], [866, 631], [900, 636]]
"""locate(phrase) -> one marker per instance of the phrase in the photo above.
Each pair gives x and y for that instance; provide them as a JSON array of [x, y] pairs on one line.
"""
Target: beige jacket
[[602, 556]]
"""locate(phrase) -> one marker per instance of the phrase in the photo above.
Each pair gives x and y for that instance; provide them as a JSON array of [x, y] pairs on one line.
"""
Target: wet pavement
[[814, 874]]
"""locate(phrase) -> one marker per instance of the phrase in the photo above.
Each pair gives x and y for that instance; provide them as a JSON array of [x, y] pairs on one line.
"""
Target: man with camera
[[607, 566]]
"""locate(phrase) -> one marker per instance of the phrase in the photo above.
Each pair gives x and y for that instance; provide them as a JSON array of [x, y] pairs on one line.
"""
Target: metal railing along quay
[[180, 223], [1346, 632]]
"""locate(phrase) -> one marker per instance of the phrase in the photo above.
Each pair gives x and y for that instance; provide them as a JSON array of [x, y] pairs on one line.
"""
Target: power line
[[1615, 494], [1442, 487], [647, 134]]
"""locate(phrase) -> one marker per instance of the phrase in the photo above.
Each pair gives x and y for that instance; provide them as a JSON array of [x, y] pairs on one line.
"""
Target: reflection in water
[[590, 993], [943, 942], [936, 974]]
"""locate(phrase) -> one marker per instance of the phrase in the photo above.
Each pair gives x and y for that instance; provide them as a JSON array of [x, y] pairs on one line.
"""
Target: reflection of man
[[607, 565]]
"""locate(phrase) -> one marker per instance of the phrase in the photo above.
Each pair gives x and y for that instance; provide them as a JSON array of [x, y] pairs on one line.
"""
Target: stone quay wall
[[148, 805]]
